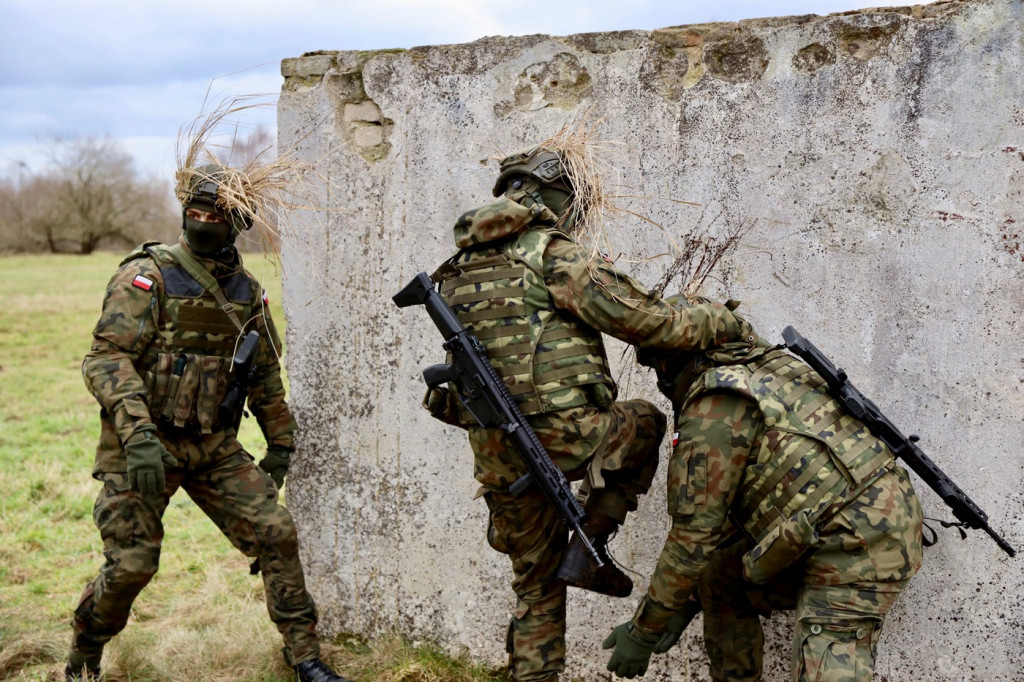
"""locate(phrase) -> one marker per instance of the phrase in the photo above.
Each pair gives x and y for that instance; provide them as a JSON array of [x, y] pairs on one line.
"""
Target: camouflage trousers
[[840, 593], [530, 532], [222, 479]]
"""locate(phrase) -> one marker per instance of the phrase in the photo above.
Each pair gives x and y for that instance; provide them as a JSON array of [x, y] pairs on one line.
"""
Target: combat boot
[[81, 674], [578, 567], [317, 671]]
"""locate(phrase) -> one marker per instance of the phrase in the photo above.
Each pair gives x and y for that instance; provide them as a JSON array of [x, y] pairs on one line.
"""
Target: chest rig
[[813, 456], [548, 361], [186, 367]]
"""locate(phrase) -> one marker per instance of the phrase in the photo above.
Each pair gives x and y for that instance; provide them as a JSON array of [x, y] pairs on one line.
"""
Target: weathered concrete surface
[[881, 155]]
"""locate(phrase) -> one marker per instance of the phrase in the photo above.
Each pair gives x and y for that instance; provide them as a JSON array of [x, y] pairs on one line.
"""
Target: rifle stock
[[233, 405]]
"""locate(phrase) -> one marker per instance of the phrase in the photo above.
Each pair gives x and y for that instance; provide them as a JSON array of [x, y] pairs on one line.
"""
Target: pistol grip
[[437, 374]]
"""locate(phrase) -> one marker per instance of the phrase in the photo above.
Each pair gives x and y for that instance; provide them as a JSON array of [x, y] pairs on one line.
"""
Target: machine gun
[[903, 447], [233, 405], [487, 399]]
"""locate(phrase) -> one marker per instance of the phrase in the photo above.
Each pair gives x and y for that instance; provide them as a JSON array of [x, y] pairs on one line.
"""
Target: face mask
[[206, 239]]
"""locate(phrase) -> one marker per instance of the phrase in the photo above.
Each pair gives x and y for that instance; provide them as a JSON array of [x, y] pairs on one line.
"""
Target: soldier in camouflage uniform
[[779, 500], [539, 303], [160, 367]]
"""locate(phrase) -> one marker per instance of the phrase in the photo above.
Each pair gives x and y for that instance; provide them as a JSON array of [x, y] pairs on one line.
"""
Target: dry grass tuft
[[262, 190], [696, 258], [583, 154], [394, 659], [22, 653]]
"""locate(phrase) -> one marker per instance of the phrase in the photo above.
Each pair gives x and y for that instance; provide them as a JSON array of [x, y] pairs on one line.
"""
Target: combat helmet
[[204, 191], [539, 163]]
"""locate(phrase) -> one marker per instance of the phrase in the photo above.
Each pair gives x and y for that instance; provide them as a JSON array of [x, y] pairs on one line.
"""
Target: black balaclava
[[210, 240]]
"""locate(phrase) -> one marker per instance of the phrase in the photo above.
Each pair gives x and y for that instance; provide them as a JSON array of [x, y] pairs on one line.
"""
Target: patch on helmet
[[144, 283]]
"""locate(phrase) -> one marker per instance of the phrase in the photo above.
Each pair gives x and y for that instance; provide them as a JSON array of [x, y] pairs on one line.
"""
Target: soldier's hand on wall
[[276, 463], [632, 652], [147, 457]]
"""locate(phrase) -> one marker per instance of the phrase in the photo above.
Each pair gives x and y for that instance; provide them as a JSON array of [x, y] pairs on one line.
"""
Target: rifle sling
[[201, 275]]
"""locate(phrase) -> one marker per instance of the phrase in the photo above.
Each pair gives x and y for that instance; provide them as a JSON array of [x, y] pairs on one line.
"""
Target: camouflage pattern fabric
[[613, 445], [625, 439], [239, 497], [861, 557], [154, 314]]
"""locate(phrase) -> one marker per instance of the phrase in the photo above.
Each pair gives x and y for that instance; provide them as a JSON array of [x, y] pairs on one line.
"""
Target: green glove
[[276, 463], [632, 651], [677, 624], [147, 458]]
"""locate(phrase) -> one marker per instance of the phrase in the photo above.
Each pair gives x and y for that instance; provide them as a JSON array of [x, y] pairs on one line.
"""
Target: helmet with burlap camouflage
[[207, 221]]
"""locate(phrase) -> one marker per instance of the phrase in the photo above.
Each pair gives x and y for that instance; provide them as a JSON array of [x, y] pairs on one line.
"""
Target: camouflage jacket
[[587, 292], [162, 349], [761, 451]]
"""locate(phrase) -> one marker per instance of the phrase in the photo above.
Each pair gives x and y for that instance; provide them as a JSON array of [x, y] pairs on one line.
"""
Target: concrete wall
[[881, 154]]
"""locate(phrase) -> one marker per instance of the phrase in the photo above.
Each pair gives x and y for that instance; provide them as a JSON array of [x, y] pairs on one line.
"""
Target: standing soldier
[[161, 366], [779, 499], [538, 302]]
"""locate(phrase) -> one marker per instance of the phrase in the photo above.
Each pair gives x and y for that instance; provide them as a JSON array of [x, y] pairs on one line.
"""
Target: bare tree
[[259, 145], [90, 197]]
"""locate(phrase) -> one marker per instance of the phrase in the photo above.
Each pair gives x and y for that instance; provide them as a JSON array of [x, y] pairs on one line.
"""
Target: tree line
[[91, 196]]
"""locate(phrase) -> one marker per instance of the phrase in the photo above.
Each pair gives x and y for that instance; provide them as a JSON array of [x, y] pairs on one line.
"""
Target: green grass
[[203, 616]]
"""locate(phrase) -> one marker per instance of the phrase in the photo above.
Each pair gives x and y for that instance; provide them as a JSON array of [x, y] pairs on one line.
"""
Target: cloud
[[141, 70]]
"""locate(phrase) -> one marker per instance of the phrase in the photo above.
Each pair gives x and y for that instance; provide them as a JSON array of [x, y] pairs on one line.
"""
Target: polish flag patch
[[266, 299], [144, 283], [675, 439]]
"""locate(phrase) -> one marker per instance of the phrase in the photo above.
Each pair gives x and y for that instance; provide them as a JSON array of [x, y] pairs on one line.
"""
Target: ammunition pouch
[[186, 390], [782, 547]]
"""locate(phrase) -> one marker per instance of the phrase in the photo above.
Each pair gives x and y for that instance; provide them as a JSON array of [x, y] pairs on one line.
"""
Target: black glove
[[632, 651], [276, 463], [147, 458]]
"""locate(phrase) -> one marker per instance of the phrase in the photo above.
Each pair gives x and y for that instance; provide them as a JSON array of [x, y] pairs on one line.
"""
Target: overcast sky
[[140, 70]]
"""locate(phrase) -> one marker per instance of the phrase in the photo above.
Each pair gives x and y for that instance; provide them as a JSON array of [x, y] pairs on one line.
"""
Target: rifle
[[233, 405], [964, 508], [487, 399]]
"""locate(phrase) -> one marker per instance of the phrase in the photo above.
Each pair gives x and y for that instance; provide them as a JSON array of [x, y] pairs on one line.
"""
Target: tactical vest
[[792, 474], [548, 361], [186, 367]]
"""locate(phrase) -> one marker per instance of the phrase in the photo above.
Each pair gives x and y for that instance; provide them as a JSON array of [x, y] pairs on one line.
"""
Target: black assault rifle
[[486, 397], [233, 405], [964, 508]]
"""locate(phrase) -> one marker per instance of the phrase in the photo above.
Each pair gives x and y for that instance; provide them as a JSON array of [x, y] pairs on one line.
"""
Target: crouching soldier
[[779, 499]]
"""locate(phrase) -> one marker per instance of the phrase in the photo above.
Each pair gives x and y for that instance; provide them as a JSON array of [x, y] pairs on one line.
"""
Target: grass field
[[203, 616]]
